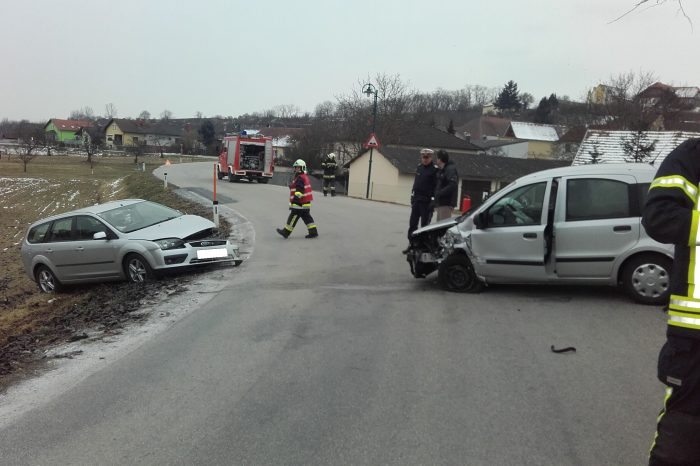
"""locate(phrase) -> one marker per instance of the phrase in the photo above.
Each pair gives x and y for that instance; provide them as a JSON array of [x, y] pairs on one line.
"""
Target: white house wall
[[386, 183]]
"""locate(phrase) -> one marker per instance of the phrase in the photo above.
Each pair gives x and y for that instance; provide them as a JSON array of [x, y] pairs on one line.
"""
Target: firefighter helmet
[[331, 156], [301, 164]]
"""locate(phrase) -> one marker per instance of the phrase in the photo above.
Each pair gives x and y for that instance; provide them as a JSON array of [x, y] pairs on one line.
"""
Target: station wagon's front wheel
[[137, 269], [47, 281], [646, 278]]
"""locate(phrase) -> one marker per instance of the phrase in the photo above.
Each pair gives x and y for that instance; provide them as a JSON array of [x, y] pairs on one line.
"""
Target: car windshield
[[140, 215]]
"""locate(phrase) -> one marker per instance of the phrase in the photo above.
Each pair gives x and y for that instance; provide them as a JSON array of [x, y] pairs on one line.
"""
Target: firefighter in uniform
[[672, 215], [300, 198], [329, 166]]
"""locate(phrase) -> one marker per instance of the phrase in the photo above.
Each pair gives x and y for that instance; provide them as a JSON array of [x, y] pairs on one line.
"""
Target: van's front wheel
[[646, 278], [456, 273]]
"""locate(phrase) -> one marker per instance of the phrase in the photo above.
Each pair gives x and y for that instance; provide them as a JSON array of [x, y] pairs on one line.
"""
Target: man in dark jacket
[[423, 192], [671, 216], [446, 189]]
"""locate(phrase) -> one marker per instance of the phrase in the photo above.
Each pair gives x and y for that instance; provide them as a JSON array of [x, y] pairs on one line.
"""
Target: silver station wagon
[[128, 239], [569, 225]]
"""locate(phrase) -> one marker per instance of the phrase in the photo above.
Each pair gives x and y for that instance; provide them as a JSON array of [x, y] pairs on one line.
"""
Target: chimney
[[467, 136]]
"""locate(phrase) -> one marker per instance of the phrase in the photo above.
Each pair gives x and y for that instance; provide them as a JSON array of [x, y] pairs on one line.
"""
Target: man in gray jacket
[[446, 188]]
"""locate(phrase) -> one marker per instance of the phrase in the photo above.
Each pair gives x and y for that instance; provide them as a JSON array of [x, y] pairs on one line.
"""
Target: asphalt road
[[327, 351]]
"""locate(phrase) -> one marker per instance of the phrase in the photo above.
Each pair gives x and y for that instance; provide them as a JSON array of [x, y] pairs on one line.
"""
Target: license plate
[[212, 253]]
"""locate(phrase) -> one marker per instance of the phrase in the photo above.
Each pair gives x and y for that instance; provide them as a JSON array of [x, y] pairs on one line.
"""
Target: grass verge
[[31, 321]]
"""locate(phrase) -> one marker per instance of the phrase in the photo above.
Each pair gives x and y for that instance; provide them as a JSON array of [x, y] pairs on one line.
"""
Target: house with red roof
[[65, 130]]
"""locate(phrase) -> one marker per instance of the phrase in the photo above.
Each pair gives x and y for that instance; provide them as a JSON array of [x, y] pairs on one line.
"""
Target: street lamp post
[[368, 89]]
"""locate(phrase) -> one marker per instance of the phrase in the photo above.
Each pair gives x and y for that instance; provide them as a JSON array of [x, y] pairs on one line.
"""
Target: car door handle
[[529, 235], [80, 248], [622, 228]]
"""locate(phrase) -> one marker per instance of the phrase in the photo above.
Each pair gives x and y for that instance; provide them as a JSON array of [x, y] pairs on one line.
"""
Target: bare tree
[[83, 113], [31, 138], [622, 103], [286, 111], [110, 110], [654, 3], [145, 115], [166, 115]]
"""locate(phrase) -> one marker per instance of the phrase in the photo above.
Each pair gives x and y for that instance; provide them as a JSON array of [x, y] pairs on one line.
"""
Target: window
[[522, 206], [61, 230], [86, 227], [38, 233], [594, 199]]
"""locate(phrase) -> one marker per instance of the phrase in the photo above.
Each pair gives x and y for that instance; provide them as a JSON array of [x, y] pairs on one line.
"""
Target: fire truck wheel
[[219, 174], [231, 178]]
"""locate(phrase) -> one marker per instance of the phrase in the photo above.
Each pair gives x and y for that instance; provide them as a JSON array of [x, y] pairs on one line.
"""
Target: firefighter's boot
[[283, 233], [313, 233]]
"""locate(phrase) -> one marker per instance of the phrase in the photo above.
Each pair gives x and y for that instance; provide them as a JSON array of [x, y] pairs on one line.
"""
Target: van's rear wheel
[[646, 278], [456, 273]]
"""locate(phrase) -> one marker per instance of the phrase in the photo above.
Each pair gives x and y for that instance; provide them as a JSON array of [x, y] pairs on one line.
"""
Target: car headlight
[[450, 238], [169, 243]]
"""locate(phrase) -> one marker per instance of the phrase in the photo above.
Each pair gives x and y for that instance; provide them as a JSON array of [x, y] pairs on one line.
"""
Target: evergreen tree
[[508, 99], [451, 127], [542, 113], [546, 110], [595, 154], [637, 147], [206, 132]]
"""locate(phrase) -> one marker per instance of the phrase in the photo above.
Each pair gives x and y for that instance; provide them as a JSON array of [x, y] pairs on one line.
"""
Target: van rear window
[[594, 199]]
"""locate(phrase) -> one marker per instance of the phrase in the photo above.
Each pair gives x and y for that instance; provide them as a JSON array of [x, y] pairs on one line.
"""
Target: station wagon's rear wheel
[[456, 273], [47, 281], [137, 269], [646, 278]]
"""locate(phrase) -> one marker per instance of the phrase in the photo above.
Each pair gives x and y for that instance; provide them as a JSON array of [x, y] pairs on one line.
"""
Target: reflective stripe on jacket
[[671, 216], [300, 194]]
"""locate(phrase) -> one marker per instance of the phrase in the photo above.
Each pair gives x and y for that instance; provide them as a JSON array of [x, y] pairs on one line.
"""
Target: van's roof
[[641, 171]]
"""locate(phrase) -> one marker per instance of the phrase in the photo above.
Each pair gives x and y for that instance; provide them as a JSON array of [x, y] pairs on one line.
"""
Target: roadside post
[[143, 166], [215, 203], [165, 180]]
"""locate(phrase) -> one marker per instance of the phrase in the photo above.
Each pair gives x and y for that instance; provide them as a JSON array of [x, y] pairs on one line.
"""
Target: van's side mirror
[[479, 220], [100, 235]]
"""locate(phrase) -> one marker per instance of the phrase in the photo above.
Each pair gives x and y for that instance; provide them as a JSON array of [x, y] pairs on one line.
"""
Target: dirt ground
[[32, 322]]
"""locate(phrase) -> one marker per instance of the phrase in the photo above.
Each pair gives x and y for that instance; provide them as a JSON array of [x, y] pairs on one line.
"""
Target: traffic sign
[[371, 142]]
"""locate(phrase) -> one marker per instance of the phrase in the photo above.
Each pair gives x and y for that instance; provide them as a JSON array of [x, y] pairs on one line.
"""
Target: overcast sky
[[229, 57]]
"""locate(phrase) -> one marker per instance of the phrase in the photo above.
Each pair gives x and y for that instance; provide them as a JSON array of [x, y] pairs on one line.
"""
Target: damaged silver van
[[569, 225]]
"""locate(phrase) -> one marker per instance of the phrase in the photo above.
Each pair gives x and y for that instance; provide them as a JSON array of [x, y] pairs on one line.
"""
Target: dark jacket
[[446, 188], [670, 216], [424, 183]]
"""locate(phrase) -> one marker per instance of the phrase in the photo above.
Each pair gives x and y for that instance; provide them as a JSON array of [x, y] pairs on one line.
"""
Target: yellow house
[[541, 139], [124, 132]]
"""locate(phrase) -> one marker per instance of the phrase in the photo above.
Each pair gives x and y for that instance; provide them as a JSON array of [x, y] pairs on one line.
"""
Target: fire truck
[[248, 157]]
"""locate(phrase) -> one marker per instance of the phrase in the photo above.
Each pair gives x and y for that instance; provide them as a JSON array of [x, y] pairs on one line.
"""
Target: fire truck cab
[[247, 157]]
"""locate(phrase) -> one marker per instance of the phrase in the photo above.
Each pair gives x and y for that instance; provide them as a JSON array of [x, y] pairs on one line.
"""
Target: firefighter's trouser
[[329, 185], [305, 215], [677, 439]]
